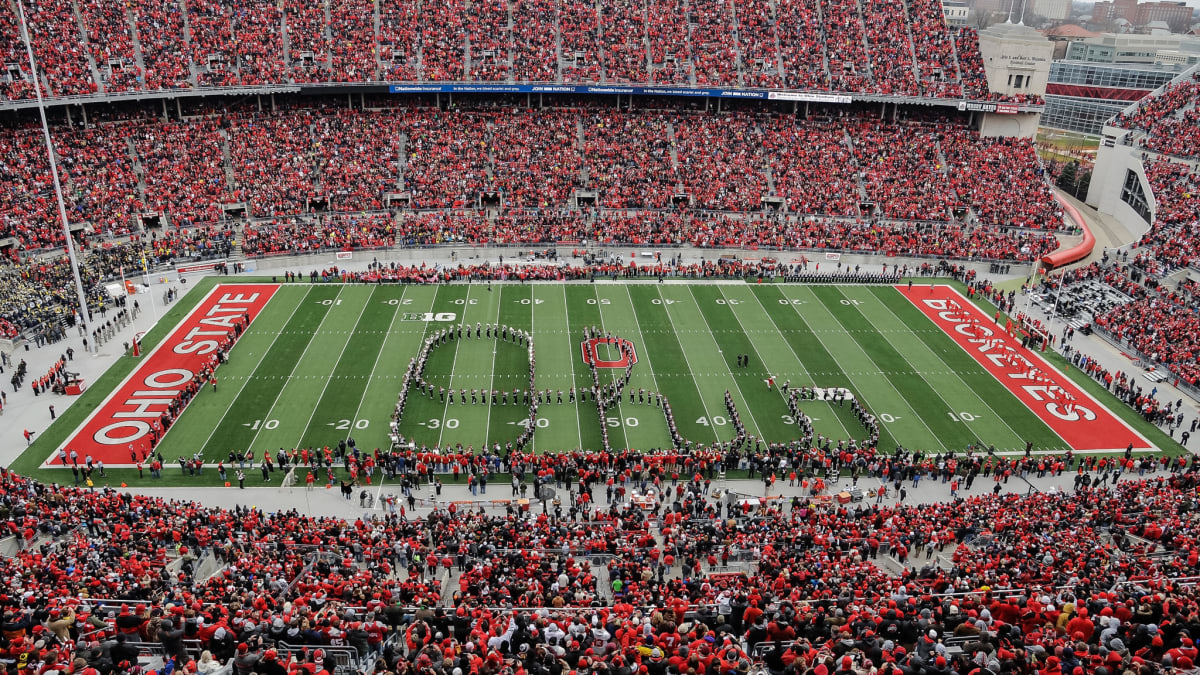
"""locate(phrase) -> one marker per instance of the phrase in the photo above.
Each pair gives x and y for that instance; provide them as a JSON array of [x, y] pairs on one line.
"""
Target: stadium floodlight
[[84, 315]]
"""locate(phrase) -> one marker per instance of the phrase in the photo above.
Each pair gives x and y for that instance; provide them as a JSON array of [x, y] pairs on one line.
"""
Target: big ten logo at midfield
[[623, 347]]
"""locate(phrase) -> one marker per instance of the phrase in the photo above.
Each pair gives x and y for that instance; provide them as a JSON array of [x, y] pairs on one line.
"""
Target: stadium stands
[[1164, 327], [1168, 123], [1174, 236], [1109, 566], [1164, 130], [311, 157], [888, 47]]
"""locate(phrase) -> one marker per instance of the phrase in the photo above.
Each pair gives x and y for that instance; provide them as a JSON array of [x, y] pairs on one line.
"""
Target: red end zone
[[1075, 416], [131, 414]]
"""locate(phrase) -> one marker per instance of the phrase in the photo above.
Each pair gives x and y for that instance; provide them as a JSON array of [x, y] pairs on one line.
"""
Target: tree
[[1066, 179]]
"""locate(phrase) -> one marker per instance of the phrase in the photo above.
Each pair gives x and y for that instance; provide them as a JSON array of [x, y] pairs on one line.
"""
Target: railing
[[1186, 387], [731, 91]]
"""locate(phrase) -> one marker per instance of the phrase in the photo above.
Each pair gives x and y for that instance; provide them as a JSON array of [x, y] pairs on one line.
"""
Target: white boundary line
[[957, 376], [737, 385], [804, 368], [487, 425], [244, 382], [574, 372], [921, 375], [462, 321], [687, 362], [1151, 447], [646, 350], [612, 378], [437, 290], [532, 312]]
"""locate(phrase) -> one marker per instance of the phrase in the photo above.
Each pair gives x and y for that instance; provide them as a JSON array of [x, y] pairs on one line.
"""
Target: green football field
[[324, 363]]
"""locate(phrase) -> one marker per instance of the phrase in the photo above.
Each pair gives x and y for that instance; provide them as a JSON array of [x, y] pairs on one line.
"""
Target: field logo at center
[[624, 347]]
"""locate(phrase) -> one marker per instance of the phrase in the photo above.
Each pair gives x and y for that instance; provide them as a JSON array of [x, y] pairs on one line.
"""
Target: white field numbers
[[883, 417], [716, 421], [962, 416], [345, 425], [268, 425], [434, 423]]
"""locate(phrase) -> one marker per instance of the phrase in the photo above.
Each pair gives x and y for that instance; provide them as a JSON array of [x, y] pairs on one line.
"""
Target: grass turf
[[323, 363]]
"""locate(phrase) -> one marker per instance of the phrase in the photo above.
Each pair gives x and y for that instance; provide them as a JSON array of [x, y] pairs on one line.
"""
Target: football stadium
[[766, 323]]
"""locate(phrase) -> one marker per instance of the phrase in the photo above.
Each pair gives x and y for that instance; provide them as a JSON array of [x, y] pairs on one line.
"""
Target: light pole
[[84, 315]]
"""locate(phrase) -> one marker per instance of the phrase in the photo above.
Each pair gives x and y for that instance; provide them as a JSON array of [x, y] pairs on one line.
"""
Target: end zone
[[1081, 421], [132, 416]]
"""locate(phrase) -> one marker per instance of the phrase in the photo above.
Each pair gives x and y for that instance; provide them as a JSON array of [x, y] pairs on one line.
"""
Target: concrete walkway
[[329, 502]]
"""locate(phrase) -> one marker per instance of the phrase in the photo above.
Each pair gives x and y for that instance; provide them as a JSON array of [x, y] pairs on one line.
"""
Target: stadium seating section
[[733, 179], [1168, 123], [1090, 581], [889, 47]]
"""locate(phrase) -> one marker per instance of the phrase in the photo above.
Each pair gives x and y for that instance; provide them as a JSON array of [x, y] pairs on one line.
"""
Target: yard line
[[687, 362], [645, 347], [424, 335], [919, 374], [403, 291], [833, 318], [736, 384], [245, 381], [571, 355], [792, 349], [296, 365], [532, 312], [620, 410], [333, 370], [951, 369], [487, 425], [450, 380]]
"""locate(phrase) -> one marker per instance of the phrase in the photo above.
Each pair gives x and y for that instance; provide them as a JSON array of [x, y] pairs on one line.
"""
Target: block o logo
[[623, 347]]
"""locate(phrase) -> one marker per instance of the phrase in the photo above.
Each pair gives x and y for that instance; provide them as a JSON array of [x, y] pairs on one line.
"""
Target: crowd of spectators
[[1001, 179], [879, 47], [1164, 327], [1174, 235], [1085, 580], [312, 158], [110, 43], [164, 57], [934, 50], [1168, 123], [59, 47], [901, 170], [212, 47], [38, 293]]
